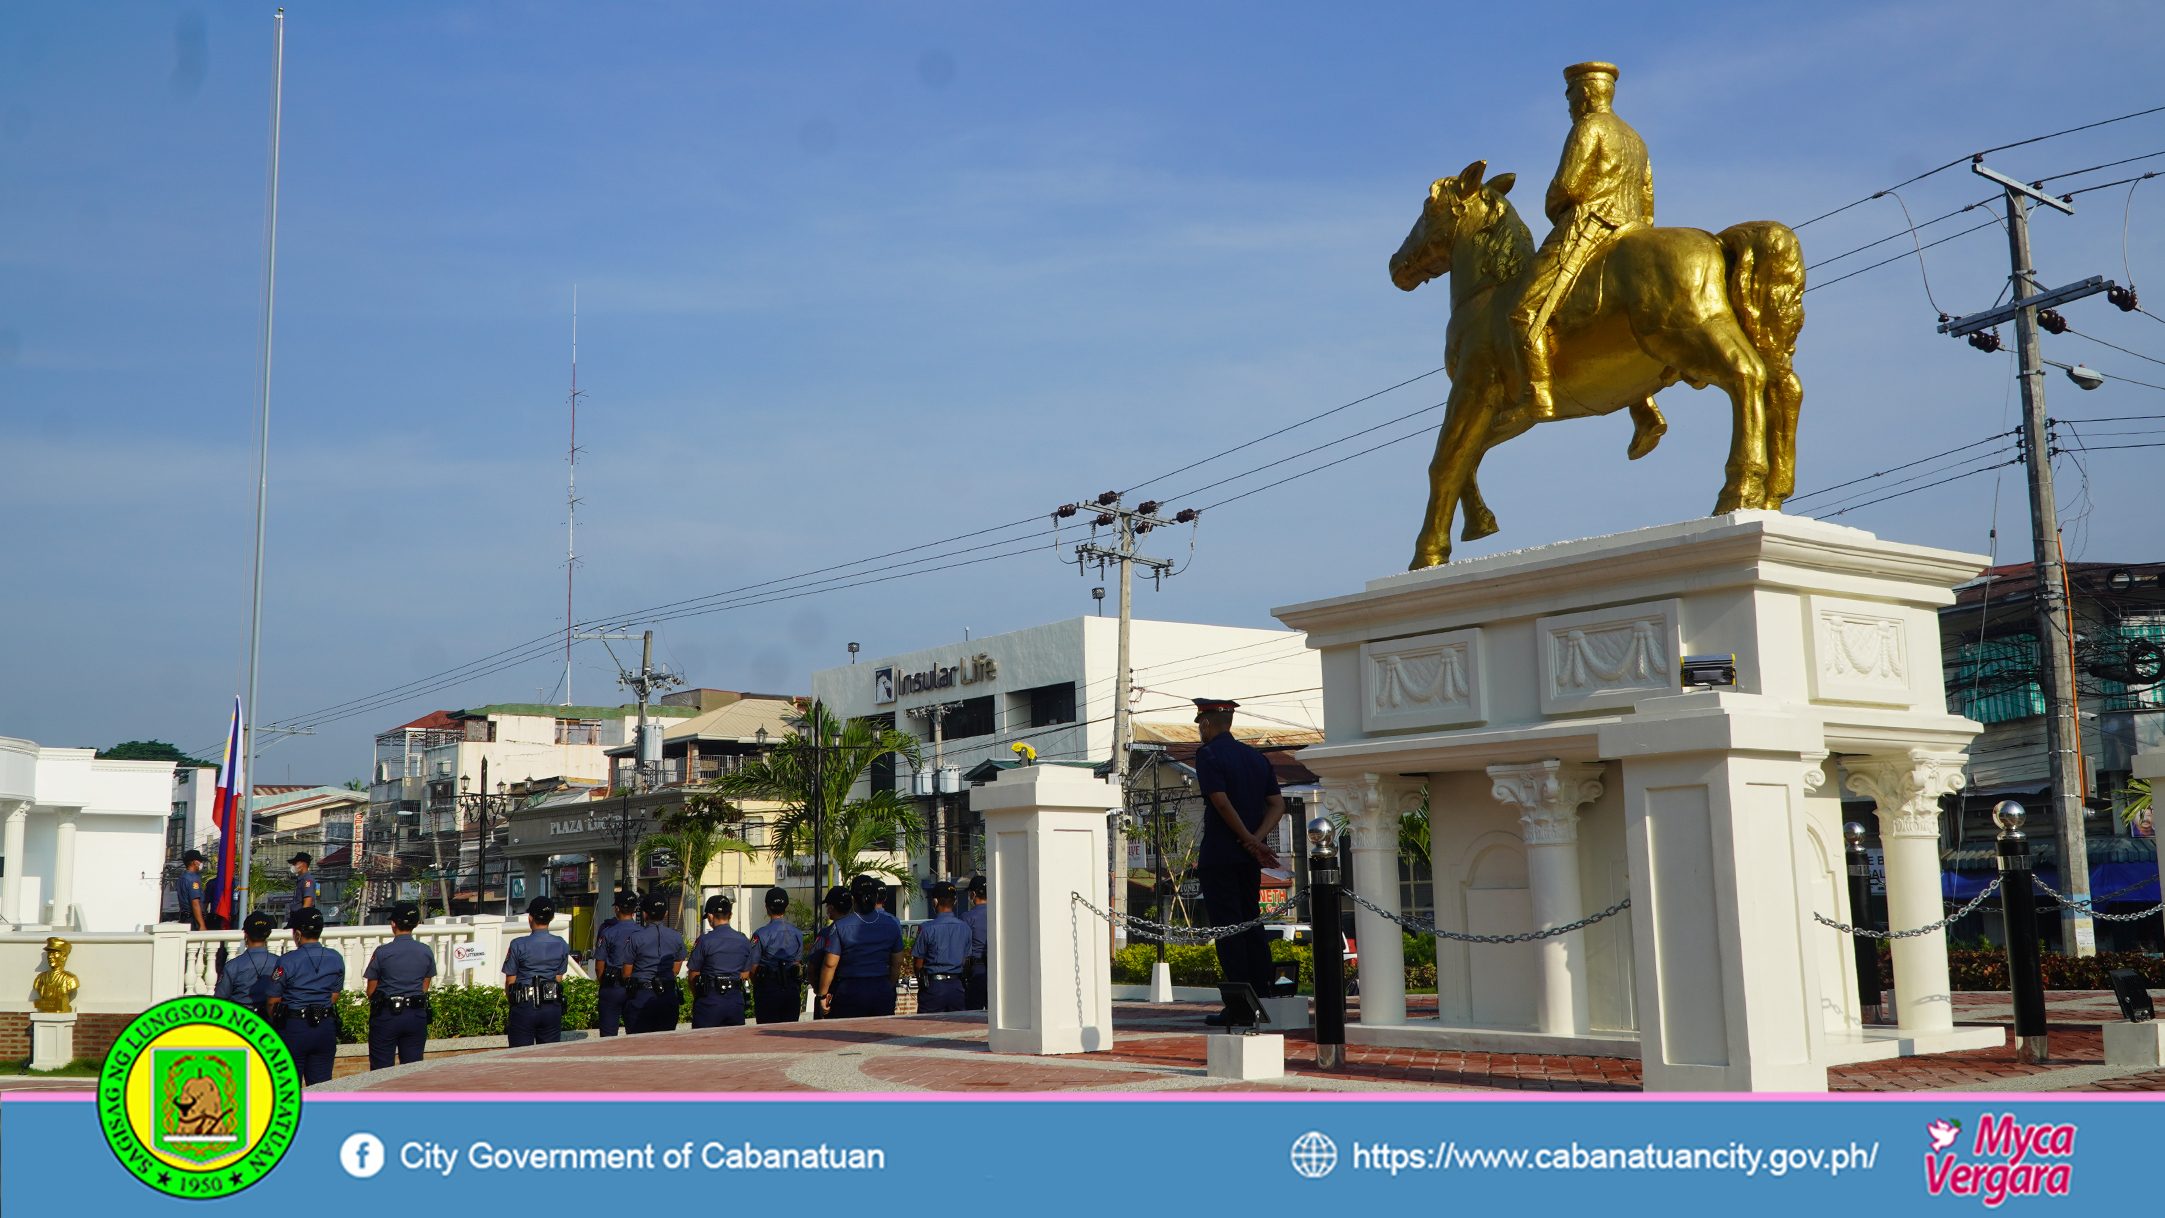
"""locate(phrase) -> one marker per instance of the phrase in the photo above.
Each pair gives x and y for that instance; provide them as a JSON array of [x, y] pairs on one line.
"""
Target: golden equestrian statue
[[54, 989], [1608, 312]]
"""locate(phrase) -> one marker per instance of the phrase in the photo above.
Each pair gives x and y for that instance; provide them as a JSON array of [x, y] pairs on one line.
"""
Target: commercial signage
[[888, 683]]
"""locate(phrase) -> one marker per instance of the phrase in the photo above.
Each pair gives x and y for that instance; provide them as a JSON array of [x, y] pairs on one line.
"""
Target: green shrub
[[468, 1010]]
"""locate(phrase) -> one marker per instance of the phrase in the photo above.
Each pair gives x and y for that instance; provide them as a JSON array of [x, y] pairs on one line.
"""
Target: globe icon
[[1314, 1155]]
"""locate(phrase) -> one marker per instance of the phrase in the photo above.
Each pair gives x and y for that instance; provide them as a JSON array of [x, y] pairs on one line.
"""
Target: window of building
[[483, 730], [1050, 704], [578, 731], [973, 717], [882, 770]]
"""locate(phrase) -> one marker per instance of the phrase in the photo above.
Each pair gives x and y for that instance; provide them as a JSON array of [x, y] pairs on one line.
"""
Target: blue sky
[[858, 277]]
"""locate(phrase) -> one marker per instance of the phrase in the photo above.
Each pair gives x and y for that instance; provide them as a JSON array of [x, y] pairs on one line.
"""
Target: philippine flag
[[228, 812]]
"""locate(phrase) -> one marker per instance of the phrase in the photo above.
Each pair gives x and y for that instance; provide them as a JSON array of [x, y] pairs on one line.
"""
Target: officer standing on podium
[[779, 965], [977, 972], [304, 990], [720, 963], [942, 950], [534, 968], [610, 953], [398, 976], [656, 952]]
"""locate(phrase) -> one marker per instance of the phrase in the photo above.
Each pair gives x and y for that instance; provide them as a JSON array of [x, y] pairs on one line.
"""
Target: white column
[[1050, 957], [1372, 804], [12, 848], [1907, 787], [64, 865], [1548, 795]]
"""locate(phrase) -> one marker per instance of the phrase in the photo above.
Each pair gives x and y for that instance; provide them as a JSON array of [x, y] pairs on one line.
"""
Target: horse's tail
[[1766, 289]]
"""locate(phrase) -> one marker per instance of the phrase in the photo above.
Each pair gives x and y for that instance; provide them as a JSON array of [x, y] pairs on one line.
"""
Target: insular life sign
[[888, 684]]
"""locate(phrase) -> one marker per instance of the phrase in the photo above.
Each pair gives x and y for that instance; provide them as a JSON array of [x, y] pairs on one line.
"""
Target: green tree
[[149, 750], [690, 840], [839, 755]]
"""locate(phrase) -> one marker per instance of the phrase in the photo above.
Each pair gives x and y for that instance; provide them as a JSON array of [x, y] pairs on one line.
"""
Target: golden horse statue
[[1662, 305]]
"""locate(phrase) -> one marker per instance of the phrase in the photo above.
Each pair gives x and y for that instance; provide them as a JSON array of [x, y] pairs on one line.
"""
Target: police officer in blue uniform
[[978, 970], [247, 977], [191, 891], [1244, 806], [304, 883], [656, 952], [304, 992], [721, 962], [611, 952], [865, 957], [837, 905], [534, 968], [398, 976], [779, 965], [941, 952]]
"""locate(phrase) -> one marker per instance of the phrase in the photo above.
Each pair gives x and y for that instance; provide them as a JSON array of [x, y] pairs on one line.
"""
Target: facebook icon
[[361, 1156]]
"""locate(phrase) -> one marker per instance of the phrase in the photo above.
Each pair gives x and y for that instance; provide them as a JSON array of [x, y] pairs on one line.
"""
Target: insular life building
[[1053, 688]]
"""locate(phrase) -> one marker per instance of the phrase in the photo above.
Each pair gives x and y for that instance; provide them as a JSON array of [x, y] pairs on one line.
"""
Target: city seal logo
[[1314, 1155], [199, 1098]]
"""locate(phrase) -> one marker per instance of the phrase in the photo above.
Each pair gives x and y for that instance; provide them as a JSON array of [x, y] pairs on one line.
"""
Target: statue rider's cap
[[1592, 67]]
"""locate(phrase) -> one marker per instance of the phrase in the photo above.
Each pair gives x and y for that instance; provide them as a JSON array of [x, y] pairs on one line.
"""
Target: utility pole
[[937, 712], [2055, 620], [1132, 523]]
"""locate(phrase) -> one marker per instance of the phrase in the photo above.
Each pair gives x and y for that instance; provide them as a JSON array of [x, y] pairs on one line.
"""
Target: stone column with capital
[[12, 849], [1907, 787], [1548, 795], [64, 866], [1372, 805]]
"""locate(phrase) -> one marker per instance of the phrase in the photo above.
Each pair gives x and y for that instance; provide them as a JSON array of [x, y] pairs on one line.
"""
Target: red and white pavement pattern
[[1157, 1048]]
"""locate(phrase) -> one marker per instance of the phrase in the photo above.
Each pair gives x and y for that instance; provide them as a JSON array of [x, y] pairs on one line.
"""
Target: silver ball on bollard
[[2009, 815]]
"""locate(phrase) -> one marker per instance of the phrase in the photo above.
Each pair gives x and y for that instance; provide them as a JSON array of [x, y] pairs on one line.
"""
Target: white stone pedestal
[[2135, 1044], [1531, 704], [1246, 1058], [52, 1039], [1051, 958], [1161, 982], [1287, 1014]]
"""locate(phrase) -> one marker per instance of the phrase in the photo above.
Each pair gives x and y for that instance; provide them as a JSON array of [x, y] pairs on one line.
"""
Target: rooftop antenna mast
[[571, 496]]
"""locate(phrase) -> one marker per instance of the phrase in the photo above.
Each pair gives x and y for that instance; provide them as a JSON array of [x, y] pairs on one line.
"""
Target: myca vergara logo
[[2006, 1159], [199, 1098]]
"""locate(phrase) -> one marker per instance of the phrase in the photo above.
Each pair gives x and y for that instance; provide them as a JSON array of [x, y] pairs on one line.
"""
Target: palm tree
[[691, 839], [853, 828]]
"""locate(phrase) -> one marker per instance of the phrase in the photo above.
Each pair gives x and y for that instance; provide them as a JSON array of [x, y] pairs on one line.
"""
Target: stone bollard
[[1051, 959]]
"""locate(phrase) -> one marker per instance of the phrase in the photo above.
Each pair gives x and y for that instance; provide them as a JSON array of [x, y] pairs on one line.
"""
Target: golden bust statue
[[54, 989]]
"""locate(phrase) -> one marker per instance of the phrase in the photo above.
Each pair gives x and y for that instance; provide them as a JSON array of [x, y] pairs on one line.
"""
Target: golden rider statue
[[1604, 187]]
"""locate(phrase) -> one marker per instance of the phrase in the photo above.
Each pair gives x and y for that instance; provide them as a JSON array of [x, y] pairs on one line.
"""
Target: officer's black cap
[[405, 915], [655, 907], [541, 909], [307, 920], [944, 893], [777, 900], [719, 905], [302, 857], [626, 900], [1220, 706], [257, 925], [192, 856], [864, 884], [977, 885], [838, 897]]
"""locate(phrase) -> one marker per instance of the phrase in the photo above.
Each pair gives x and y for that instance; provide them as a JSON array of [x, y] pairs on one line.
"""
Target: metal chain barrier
[[1942, 924], [1428, 927], [2085, 907], [1153, 932]]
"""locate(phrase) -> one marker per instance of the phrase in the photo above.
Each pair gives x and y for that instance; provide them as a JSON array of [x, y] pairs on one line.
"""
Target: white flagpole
[[243, 898]]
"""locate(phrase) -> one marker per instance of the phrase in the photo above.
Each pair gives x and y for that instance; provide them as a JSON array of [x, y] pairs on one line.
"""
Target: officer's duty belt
[[410, 1002], [313, 1015], [717, 983]]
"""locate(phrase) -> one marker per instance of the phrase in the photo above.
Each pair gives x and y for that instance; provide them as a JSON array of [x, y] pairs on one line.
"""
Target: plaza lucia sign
[[887, 684]]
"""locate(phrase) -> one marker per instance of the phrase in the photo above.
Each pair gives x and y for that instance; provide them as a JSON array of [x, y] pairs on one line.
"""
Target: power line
[[1899, 257], [2115, 346], [1986, 152], [1928, 486], [1897, 469]]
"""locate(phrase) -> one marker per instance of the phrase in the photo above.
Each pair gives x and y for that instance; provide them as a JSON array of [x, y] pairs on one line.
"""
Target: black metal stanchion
[[1860, 905], [1328, 946], [2018, 913]]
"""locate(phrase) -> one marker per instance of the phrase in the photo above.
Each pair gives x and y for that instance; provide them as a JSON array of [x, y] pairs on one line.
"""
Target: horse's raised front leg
[[1717, 353], [1647, 429], [1459, 444]]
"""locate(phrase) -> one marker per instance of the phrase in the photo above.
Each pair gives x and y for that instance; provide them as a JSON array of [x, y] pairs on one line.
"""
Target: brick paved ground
[[1160, 1048]]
